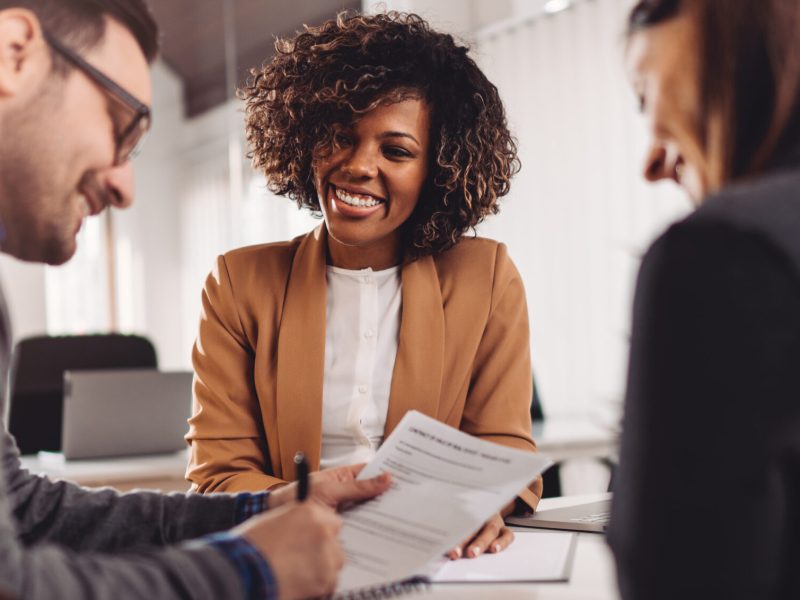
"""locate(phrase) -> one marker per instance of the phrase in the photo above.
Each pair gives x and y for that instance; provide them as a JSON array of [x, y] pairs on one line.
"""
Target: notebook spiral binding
[[389, 590]]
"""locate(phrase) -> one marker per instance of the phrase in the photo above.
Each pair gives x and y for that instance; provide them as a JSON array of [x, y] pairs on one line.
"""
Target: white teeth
[[359, 200]]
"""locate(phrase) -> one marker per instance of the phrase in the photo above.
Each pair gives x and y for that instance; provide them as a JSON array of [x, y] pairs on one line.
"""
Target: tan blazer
[[463, 357]]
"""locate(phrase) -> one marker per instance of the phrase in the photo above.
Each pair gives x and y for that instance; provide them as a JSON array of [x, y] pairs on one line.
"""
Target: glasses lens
[[131, 141]]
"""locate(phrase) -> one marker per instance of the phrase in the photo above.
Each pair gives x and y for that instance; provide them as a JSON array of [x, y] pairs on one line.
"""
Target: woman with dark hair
[[707, 501], [390, 131]]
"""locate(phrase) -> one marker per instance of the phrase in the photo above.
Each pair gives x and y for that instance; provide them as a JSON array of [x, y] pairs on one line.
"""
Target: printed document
[[445, 485]]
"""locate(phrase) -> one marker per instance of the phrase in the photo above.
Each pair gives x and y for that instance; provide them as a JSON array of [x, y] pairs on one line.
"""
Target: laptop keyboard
[[601, 518]]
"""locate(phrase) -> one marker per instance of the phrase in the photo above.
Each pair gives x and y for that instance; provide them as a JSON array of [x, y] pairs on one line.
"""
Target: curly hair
[[334, 73]]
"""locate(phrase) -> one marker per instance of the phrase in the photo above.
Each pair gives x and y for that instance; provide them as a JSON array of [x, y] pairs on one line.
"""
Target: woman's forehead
[[655, 47]]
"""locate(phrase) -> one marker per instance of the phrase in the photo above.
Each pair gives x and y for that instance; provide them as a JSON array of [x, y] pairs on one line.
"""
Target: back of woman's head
[[749, 77]]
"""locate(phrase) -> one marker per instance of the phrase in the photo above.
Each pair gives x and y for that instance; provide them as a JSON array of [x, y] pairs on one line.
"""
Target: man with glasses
[[74, 88], [128, 138]]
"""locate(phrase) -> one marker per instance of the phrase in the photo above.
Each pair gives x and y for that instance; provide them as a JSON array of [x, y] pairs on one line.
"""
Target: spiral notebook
[[542, 557]]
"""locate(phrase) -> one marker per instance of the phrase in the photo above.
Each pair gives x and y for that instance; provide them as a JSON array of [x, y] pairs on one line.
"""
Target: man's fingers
[[353, 491], [340, 474], [337, 475], [352, 471]]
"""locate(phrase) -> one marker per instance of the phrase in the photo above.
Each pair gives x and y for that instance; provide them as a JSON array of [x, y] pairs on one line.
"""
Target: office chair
[[37, 379]]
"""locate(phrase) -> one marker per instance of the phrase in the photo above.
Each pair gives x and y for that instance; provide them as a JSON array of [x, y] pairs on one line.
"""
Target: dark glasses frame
[[129, 139]]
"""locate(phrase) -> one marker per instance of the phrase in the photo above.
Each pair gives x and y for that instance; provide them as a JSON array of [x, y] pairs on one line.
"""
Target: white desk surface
[[559, 438], [109, 469], [593, 576]]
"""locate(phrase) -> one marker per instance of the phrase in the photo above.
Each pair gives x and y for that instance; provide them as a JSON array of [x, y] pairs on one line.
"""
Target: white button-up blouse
[[361, 337]]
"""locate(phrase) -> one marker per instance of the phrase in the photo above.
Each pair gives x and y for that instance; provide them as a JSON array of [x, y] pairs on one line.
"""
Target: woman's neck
[[378, 256]]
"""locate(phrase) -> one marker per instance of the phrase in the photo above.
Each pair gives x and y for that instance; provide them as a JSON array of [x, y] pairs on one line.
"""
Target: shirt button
[[362, 389], [369, 333]]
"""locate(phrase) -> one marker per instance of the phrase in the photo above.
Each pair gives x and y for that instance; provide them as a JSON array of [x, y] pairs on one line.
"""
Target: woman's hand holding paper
[[494, 536]]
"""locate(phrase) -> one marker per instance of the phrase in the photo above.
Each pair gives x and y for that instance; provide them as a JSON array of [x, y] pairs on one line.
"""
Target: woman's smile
[[370, 182], [354, 204]]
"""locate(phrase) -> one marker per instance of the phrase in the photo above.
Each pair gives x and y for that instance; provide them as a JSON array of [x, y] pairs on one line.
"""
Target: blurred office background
[[576, 222]]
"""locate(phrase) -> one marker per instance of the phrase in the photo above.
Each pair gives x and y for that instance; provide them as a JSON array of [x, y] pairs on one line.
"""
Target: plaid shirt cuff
[[256, 575], [249, 505]]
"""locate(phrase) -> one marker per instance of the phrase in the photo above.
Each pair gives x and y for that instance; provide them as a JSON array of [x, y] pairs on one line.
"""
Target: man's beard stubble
[[34, 202]]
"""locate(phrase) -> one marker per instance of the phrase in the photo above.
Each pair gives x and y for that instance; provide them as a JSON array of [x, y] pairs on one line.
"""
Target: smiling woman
[[331, 76], [370, 183], [390, 131]]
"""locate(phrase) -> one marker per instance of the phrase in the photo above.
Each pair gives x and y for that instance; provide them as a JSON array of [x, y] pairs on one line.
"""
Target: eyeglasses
[[129, 139]]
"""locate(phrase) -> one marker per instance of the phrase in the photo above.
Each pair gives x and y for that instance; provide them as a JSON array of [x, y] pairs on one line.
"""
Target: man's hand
[[494, 536], [333, 487], [300, 543]]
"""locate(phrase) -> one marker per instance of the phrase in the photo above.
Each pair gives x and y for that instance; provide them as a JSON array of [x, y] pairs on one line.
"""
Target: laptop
[[590, 517], [112, 413]]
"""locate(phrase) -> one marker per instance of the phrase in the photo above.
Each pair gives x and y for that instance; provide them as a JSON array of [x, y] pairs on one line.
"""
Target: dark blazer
[[707, 500], [58, 540]]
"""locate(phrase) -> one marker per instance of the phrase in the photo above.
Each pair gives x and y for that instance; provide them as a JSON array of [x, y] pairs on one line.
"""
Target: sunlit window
[[77, 293]]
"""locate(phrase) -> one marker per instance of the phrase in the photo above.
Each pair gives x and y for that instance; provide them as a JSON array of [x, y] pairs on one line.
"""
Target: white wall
[[24, 288], [578, 216], [218, 211], [148, 245]]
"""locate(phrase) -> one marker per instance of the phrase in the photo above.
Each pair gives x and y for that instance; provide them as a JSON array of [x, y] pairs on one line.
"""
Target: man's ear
[[24, 55]]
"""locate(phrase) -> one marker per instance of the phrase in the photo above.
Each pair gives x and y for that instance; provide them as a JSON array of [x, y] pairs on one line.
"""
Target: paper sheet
[[446, 484], [533, 556]]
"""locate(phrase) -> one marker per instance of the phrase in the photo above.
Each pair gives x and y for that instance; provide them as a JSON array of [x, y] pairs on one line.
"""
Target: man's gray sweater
[[58, 540]]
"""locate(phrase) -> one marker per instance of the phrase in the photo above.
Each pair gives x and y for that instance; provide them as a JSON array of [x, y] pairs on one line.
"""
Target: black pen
[[301, 465]]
